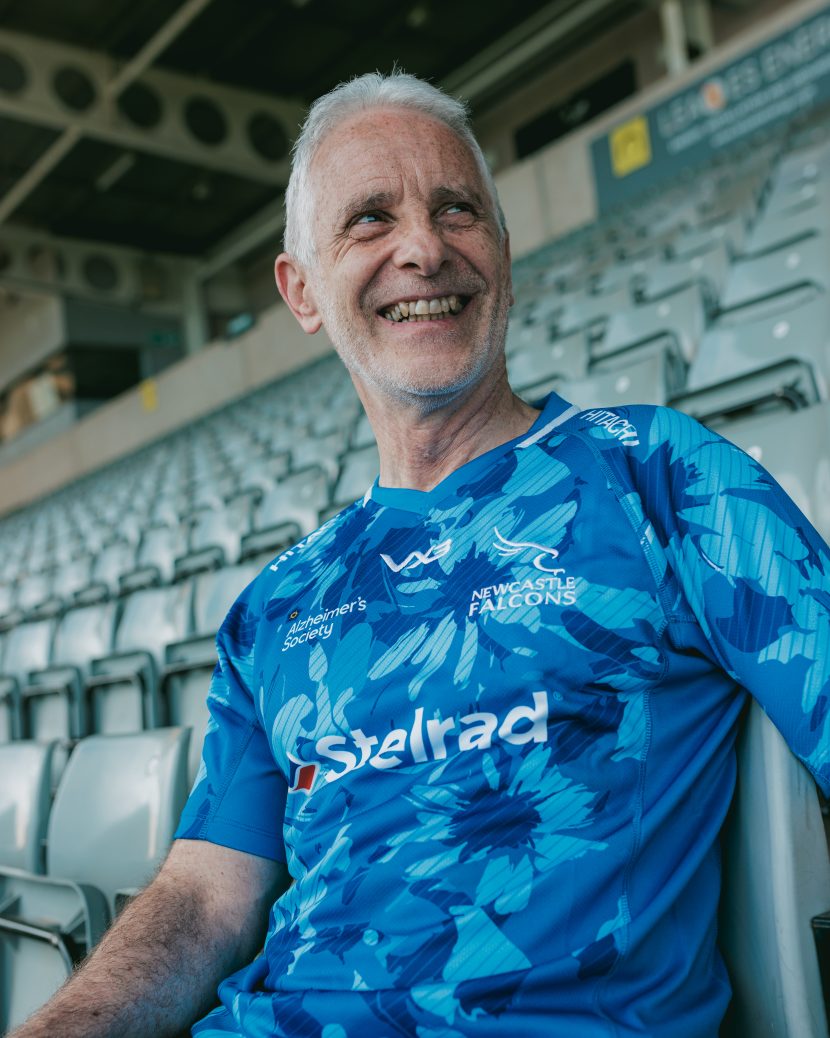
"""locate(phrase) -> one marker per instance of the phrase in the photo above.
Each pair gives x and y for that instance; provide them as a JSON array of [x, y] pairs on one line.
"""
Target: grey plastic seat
[[776, 879], [297, 500], [111, 825], [678, 320], [28, 648], [360, 469], [795, 447], [25, 799], [53, 704], [322, 451], [216, 536], [156, 557], [190, 662], [587, 311], [565, 358], [72, 575], [806, 260], [122, 692], [788, 225], [709, 267], [746, 342], [362, 435], [640, 382], [113, 560], [730, 230]]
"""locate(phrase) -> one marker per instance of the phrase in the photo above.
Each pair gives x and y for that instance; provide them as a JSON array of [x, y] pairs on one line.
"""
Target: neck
[[419, 448]]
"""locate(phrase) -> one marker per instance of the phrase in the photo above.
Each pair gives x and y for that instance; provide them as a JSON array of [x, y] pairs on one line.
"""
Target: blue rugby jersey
[[490, 728]]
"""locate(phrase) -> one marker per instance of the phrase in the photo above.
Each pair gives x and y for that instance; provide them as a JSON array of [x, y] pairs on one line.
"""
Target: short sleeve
[[753, 572], [238, 798]]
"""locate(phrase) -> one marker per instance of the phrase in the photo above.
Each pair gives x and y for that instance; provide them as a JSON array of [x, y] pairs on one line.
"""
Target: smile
[[424, 309]]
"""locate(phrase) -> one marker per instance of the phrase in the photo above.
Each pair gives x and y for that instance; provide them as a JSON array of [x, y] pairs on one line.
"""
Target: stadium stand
[[712, 296]]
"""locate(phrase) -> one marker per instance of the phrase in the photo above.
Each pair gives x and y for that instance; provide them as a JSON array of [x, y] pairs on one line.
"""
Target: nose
[[420, 247]]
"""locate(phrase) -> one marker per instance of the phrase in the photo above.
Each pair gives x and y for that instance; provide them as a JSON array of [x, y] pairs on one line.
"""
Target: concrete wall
[[547, 195], [202, 382]]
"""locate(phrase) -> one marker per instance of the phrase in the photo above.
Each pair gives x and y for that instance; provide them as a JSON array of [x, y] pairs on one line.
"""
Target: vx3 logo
[[510, 548], [419, 558]]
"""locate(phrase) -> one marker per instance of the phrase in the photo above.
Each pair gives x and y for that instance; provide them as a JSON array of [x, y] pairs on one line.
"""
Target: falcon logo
[[510, 548], [419, 558], [301, 776]]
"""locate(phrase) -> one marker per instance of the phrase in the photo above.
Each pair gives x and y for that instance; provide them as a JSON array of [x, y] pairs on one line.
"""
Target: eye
[[365, 218]]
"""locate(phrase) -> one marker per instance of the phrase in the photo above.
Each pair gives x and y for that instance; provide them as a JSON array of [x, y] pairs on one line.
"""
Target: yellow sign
[[149, 394], [630, 146]]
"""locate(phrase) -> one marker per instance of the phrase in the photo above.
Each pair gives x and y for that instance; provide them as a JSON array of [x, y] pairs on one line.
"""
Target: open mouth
[[424, 309]]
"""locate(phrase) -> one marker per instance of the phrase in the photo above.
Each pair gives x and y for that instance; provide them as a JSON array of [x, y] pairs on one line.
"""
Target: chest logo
[[542, 560], [419, 558]]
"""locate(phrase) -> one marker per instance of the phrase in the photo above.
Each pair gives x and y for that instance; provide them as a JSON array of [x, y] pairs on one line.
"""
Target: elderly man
[[483, 718]]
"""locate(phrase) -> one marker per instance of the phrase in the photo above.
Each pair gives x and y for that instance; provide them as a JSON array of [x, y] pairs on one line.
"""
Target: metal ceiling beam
[[234, 111], [267, 224], [513, 53], [91, 270]]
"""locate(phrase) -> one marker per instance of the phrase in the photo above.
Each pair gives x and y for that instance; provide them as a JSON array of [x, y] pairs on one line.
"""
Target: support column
[[194, 315], [674, 37]]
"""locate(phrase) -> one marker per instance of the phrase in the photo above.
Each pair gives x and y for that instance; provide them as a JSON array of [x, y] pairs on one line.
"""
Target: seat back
[[25, 796], [117, 807], [214, 593], [83, 634], [28, 648], [776, 878]]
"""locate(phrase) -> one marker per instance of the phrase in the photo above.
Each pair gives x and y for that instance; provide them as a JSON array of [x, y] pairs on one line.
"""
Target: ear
[[294, 288]]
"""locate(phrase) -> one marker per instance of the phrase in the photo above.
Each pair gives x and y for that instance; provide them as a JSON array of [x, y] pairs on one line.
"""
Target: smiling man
[[484, 718]]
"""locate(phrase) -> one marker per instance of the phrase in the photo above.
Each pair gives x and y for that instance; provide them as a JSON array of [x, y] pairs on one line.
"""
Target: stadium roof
[[165, 127]]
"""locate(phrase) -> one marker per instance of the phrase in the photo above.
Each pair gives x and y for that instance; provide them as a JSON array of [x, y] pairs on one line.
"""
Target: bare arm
[[157, 968]]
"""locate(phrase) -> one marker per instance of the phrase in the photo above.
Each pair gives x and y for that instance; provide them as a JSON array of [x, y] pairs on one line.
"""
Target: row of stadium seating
[[711, 297]]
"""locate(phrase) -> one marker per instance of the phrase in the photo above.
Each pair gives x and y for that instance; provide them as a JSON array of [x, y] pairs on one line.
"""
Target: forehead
[[390, 151]]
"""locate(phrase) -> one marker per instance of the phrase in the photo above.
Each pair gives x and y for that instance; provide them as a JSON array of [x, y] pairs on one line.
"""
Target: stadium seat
[[642, 381], [779, 335], [564, 358], [804, 261], [795, 447], [114, 559], [53, 703], [678, 320], [589, 312], [788, 225], [215, 536], [709, 268], [360, 470], [297, 500], [729, 230], [111, 824], [776, 878], [28, 648], [189, 662], [25, 799], [156, 558], [122, 691]]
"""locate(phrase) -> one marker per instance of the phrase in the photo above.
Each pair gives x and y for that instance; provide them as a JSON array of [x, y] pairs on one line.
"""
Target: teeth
[[423, 309]]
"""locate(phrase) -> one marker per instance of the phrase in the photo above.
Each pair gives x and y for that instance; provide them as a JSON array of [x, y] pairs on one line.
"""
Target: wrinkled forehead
[[375, 152]]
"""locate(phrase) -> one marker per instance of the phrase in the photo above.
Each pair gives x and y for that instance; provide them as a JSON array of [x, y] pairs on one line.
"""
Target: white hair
[[363, 93]]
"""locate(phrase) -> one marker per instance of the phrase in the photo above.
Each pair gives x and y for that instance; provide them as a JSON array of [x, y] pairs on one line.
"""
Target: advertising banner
[[785, 76]]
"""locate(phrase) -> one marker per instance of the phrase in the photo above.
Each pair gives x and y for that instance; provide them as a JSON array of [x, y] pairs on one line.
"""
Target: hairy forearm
[[155, 971]]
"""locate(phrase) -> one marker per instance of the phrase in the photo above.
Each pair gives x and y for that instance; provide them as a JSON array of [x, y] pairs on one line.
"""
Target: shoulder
[[282, 577]]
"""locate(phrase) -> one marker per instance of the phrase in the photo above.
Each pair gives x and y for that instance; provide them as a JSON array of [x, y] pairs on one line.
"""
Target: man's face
[[403, 223]]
